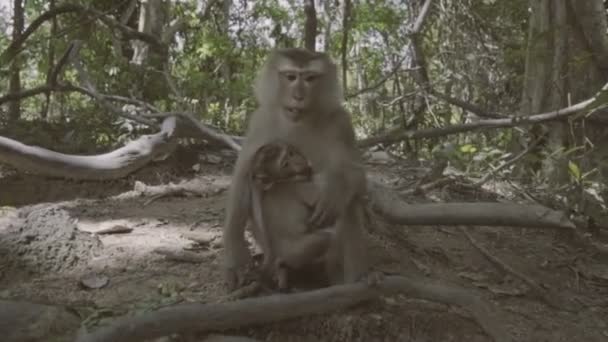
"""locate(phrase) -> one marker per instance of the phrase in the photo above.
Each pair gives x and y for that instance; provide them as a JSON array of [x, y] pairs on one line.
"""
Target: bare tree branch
[[421, 17], [111, 165], [464, 105], [398, 135], [11, 51], [88, 85], [193, 317]]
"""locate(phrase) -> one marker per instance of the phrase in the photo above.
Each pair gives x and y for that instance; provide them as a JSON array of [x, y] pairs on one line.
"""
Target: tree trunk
[[310, 30], [14, 109], [50, 62], [345, 32], [153, 17], [327, 12], [566, 61]]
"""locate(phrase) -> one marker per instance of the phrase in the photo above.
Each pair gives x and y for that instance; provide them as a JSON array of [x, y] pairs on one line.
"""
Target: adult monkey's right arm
[[236, 252], [238, 209]]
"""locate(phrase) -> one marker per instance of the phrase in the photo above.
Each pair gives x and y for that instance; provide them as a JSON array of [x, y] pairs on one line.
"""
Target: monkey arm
[[236, 253], [343, 175]]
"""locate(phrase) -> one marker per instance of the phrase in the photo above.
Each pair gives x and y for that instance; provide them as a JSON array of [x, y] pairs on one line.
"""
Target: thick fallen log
[[194, 317], [388, 205], [111, 165]]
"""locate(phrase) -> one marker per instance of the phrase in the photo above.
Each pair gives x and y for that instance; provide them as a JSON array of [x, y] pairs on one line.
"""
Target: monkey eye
[[311, 78], [291, 77]]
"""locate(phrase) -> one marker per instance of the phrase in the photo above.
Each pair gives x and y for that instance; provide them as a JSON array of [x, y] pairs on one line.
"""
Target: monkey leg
[[281, 274], [353, 244], [306, 249]]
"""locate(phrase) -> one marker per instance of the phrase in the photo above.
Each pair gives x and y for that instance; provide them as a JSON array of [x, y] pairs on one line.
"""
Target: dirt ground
[[50, 254]]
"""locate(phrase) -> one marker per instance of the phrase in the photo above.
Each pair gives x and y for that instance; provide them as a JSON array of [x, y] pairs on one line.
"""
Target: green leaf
[[574, 170], [468, 148]]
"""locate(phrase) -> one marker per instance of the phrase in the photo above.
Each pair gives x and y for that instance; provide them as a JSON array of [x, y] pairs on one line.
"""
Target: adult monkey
[[300, 102]]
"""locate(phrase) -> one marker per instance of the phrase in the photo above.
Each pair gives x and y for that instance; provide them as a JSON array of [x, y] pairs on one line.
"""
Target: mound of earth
[[46, 240]]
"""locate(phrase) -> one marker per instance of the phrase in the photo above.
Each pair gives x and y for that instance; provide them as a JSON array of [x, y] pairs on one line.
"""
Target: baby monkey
[[283, 199]]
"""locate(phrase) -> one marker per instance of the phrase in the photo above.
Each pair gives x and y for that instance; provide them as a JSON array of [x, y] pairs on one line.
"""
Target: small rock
[[94, 281]]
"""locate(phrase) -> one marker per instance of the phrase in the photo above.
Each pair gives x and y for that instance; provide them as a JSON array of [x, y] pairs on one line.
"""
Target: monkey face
[[299, 87], [298, 83], [279, 162]]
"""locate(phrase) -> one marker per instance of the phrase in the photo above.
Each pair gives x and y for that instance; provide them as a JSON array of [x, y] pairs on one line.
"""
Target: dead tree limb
[[486, 124], [112, 165], [387, 204], [188, 318], [464, 105]]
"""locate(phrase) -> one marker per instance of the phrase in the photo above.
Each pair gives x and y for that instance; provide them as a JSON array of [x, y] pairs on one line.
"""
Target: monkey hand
[[236, 268], [327, 208]]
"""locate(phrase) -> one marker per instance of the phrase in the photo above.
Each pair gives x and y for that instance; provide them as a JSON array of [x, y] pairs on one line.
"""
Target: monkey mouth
[[293, 113]]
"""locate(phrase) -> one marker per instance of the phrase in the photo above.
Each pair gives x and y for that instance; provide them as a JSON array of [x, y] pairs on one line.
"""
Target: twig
[[539, 291], [506, 164], [427, 186], [205, 130], [172, 192], [192, 317], [117, 229], [11, 51], [88, 85]]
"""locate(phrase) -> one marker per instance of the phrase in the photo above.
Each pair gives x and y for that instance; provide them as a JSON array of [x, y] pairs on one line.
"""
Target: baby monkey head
[[279, 162]]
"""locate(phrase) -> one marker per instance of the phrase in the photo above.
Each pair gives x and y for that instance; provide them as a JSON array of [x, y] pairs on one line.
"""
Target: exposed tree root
[[544, 294], [192, 317], [388, 205]]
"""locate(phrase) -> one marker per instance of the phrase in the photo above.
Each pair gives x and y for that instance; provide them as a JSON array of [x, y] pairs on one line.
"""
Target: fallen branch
[[189, 318], [192, 187], [544, 294], [387, 204], [112, 165], [172, 192]]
